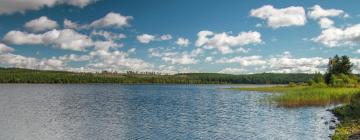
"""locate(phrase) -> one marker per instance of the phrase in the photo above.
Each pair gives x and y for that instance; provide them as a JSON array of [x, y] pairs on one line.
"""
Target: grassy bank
[[349, 116], [298, 96]]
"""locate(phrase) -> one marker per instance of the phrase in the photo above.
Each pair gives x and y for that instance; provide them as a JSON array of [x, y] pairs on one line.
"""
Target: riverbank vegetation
[[15, 75], [337, 86], [349, 115], [299, 96]]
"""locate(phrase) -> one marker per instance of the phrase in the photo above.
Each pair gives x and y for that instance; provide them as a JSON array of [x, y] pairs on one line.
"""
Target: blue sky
[[173, 36]]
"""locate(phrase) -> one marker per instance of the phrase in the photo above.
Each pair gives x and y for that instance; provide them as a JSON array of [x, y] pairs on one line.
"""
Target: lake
[[112, 111]]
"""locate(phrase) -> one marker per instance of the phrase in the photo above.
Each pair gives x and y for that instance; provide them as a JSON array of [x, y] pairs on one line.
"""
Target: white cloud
[[254, 60], [317, 12], [335, 37], [106, 45], [166, 37], [71, 25], [112, 20], [326, 23], [357, 51], [19, 38], [65, 39], [183, 42], [183, 58], [145, 38], [5, 49], [290, 16], [132, 50], [209, 59], [203, 37], [13, 6], [258, 25], [108, 35], [284, 63], [117, 61], [233, 71], [223, 42], [41, 24], [74, 58], [322, 15], [287, 64], [20, 61]]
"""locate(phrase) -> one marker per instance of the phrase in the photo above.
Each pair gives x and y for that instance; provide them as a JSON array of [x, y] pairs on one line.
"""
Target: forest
[[17, 75]]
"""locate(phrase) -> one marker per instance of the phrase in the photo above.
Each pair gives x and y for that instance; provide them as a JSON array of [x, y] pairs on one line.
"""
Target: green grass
[[307, 96]]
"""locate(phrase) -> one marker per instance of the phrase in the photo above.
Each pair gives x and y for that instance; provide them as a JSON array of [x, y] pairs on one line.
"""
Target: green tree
[[339, 70]]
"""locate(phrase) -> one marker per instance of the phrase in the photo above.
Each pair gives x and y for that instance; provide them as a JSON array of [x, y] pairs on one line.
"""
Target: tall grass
[[308, 96]]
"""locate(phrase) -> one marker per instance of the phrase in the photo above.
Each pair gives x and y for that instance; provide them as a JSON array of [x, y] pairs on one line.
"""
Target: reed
[[299, 96]]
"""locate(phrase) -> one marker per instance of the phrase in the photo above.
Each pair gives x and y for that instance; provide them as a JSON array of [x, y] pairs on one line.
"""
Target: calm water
[[109, 112]]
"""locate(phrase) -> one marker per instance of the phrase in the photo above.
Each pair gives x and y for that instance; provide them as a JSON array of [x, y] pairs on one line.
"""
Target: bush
[[342, 80]]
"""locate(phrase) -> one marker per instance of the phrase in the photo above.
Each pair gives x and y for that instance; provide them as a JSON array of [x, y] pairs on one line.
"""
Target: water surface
[[111, 111]]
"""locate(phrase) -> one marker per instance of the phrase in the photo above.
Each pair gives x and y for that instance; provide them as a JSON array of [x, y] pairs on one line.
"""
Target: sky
[[172, 36]]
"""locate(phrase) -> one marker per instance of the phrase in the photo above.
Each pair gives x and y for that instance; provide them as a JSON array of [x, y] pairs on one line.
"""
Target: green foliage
[[349, 116], [336, 66], [14, 75], [342, 80], [318, 78]]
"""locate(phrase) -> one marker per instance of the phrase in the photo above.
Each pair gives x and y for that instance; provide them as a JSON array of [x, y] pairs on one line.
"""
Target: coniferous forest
[[16, 75]]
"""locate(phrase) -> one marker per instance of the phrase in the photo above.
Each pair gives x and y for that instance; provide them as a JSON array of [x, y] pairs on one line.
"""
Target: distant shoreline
[[16, 75]]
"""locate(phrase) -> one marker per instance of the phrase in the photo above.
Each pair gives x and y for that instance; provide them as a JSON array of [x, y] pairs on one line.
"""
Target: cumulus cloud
[[223, 41], [254, 60], [209, 59], [322, 15], [19, 61], [317, 12], [105, 45], [108, 35], [233, 71], [145, 38], [71, 25], [183, 42], [183, 58], [42, 23], [287, 64], [65, 39], [284, 63], [112, 20], [165, 37], [13, 6], [5, 49], [335, 37], [326, 23], [74, 58], [117, 61], [276, 18]]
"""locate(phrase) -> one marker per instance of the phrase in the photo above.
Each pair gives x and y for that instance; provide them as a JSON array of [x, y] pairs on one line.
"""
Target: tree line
[[15, 75]]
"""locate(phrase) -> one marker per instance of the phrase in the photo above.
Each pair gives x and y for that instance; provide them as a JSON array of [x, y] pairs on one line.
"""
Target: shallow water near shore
[[112, 111]]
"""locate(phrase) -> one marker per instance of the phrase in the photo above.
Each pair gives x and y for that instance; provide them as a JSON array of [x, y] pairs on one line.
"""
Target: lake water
[[111, 112]]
